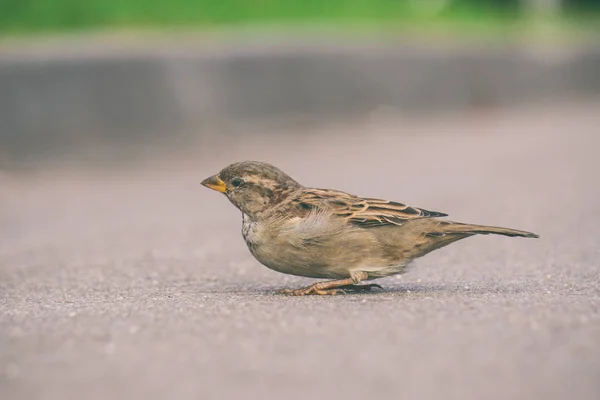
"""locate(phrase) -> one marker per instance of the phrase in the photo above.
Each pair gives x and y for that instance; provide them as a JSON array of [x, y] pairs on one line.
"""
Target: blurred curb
[[53, 100]]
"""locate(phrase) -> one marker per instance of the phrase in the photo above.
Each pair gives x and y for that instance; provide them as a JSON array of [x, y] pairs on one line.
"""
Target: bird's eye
[[237, 182]]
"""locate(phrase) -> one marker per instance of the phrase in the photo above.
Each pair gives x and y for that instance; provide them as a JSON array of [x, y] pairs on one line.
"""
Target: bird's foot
[[318, 289], [312, 289]]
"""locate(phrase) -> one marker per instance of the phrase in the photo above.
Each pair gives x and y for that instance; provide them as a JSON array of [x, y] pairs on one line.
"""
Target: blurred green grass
[[37, 16]]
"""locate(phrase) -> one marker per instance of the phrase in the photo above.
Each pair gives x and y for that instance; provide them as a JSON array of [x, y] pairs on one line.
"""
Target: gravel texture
[[136, 283]]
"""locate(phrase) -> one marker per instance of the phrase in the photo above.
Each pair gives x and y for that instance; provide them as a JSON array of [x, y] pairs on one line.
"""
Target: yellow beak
[[215, 183]]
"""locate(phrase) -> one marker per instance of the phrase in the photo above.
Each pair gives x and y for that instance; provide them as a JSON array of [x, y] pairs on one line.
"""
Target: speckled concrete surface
[[137, 284]]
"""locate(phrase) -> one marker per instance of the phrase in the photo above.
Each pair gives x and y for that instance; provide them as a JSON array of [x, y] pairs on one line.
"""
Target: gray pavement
[[137, 284]]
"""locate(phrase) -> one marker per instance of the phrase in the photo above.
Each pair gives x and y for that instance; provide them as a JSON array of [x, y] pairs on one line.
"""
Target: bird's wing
[[361, 211]]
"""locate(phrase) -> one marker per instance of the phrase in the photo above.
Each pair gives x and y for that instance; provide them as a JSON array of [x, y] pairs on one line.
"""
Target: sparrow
[[330, 234]]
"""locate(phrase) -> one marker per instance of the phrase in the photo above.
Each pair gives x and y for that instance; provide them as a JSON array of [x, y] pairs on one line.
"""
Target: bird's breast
[[250, 231]]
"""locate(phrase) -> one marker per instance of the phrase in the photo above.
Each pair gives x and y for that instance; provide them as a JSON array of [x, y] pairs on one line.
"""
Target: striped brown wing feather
[[364, 212]]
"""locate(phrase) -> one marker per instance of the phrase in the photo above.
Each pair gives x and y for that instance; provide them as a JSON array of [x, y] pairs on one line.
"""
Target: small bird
[[329, 234]]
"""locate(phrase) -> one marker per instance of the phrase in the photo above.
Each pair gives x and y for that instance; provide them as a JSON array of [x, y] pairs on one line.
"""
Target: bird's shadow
[[370, 290], [404, 289], [414, 289]]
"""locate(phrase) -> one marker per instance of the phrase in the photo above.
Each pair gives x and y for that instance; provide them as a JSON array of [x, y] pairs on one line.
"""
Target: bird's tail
[[468, 229]]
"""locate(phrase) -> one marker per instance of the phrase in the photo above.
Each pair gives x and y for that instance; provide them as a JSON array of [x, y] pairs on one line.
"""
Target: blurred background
[[101, 81], [120, 276]]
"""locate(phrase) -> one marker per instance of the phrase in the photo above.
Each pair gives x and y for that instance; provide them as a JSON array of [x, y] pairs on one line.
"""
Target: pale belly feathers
[[332, 255]]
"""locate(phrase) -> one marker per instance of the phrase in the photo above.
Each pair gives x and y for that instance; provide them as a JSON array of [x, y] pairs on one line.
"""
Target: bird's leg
[[332, 287]]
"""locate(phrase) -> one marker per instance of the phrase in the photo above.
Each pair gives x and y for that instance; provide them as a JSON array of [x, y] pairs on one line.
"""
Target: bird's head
[[252, 186]]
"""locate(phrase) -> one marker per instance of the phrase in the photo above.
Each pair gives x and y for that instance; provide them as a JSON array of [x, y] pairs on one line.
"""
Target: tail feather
[[456, 227]]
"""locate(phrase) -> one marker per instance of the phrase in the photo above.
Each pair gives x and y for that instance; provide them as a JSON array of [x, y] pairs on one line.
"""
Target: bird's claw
[[311, 290], [314, 289]]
